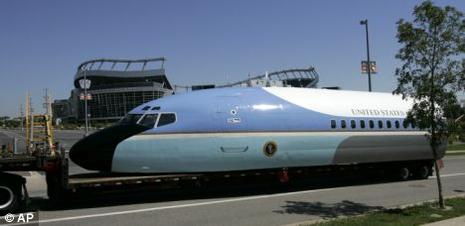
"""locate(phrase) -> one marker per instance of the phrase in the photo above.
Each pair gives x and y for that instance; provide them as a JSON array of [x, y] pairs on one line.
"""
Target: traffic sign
[[82, 96], [372, 67]]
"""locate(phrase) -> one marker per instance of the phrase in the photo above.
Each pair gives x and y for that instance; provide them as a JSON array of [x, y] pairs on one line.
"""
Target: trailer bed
[[101, 179]]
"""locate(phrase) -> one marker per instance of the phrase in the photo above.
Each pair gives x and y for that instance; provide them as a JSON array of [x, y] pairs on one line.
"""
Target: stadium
[[116, 86]]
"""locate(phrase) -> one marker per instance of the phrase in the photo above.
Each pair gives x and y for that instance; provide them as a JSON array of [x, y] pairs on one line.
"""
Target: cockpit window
[[149, 120], [166, 118], [146, 108], [130, 119]]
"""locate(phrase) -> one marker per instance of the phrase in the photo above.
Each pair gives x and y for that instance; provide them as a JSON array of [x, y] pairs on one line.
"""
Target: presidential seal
[[270, 148]]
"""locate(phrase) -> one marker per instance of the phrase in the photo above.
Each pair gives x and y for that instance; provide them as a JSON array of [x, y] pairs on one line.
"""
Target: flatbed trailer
[[61, 186]]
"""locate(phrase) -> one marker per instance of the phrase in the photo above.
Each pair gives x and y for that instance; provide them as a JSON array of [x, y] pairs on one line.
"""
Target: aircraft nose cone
[[95, 152]]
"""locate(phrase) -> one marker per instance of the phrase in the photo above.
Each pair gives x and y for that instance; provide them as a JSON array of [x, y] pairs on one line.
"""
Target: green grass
[[415, 215]]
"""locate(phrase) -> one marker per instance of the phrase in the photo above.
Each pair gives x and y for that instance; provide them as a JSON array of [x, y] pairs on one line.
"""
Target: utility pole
[[47, 103], [85, 103], [21, 115], [365, 22], [29, 123]]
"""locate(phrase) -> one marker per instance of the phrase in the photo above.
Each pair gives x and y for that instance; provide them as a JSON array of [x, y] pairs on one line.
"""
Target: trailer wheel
[[11, 194], [8, 199], [422, 172], [403, 173]]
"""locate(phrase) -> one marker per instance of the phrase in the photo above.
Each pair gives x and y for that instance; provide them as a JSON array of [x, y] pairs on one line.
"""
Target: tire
[[403, 173], [11, 192], [10, 196], [422, 172]]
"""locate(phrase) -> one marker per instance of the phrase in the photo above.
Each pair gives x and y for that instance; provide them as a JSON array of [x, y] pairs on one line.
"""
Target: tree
[[433, 70]]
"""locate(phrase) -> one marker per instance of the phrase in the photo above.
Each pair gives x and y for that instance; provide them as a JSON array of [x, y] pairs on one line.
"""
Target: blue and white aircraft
[[239, 129]]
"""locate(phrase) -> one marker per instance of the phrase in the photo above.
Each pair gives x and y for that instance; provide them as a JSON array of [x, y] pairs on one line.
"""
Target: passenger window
[[352, 124], [405, 124], [362, 124], [397, 124], [333, 124], [166, 119], [380, 124], [149, 120], [146, 108], [372, 124], [343, 124], [388, 124]]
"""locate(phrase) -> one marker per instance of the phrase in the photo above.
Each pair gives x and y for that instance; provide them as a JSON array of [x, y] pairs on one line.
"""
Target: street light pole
[[365, 22], [85, 102]]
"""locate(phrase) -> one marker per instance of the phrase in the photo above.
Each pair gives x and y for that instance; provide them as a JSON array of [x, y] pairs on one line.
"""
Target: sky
[[204, 41]]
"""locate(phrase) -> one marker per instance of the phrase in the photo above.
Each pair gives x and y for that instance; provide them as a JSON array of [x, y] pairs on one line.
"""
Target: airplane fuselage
[[234, 129]]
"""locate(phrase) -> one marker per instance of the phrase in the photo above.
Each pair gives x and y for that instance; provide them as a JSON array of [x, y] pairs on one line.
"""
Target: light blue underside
[[222, 152]]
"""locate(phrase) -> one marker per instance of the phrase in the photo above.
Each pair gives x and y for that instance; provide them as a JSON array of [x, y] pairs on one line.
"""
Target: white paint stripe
[[266, 134], [449, 175], [205, 203]]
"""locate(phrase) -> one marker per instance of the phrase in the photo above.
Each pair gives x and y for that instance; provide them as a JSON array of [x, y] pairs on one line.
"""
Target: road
[[66, 137], [251, 204]]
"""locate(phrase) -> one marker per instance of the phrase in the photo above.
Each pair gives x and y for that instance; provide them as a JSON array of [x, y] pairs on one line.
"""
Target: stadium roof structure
[[298, 77], [123, 69]]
